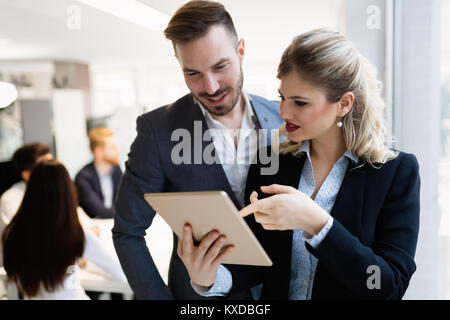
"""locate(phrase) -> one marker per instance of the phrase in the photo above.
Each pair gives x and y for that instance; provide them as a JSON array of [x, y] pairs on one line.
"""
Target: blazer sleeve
[[143, 174], [89, 198], [392, 252]]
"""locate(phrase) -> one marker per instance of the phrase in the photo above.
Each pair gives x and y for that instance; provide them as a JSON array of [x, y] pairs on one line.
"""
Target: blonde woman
[[340, 219]]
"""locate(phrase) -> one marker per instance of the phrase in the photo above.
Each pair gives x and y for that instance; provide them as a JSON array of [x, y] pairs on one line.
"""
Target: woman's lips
[[291, 127]]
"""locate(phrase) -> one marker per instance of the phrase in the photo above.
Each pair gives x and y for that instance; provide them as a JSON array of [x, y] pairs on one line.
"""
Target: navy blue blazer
[[149, 169], [376, 222], [90, 194]]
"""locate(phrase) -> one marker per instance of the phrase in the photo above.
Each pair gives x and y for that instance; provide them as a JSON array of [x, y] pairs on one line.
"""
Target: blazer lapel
[[117, 174], [96, 180], [295, 166], [279, 243], [348, 206]]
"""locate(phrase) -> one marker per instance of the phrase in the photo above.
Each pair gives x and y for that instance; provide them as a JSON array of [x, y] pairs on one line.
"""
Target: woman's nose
[[285, 113]]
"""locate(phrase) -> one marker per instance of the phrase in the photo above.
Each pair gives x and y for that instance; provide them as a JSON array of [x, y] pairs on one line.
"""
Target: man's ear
[[346, 104], [241, 49]]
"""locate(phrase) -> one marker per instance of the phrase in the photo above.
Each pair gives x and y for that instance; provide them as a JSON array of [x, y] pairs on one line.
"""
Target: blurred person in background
[[45, 239], [98, 181], [24, 159]]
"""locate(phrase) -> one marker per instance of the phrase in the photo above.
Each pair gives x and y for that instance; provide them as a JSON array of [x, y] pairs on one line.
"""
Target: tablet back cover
[[206, 211]]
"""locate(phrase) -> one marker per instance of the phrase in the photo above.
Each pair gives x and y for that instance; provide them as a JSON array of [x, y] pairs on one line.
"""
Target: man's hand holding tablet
[[202, 261]]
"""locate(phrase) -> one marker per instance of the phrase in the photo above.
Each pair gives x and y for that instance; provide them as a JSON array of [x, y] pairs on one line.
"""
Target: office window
[[444, 163]]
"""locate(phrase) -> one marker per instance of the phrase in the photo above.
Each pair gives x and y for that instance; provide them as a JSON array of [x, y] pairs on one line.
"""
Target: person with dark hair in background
[[98, 181], [24, 159], [210, 55], [45, 239]]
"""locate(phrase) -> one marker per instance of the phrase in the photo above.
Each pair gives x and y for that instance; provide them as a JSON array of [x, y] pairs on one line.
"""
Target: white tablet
[[206, 211]]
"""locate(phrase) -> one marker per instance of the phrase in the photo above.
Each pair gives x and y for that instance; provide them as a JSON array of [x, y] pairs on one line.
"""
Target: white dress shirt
[[9, 204], [107, 187], [235, 160]]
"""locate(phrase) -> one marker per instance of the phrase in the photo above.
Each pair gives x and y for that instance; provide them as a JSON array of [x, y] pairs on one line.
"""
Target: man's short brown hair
[[193, 20], [98, 136]]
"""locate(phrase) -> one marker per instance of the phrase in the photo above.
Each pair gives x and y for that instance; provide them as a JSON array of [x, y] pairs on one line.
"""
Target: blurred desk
[[158, 239], [99, 282]]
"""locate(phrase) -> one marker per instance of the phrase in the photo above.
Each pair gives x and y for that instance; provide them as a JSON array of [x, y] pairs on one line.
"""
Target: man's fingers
[[277, 189], [225, 252], [206, 243], [180, 248], [214, 250], [187, 241]]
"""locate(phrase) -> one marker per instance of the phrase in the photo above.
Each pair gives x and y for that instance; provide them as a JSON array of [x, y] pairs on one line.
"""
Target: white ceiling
[[38, 29], [31, 29]]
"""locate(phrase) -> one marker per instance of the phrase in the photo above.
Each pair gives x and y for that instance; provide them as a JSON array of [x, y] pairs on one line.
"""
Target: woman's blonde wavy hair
[[328, 60]]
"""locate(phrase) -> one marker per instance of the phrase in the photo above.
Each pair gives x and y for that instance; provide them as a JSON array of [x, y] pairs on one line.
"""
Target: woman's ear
[[346, 104]]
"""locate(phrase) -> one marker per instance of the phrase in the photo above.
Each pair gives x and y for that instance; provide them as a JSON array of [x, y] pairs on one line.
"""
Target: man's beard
[[112, 161], [224, 110]]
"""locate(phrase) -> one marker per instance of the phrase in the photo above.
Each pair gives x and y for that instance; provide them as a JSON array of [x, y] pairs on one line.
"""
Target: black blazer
[[376, 222], [90, 194]]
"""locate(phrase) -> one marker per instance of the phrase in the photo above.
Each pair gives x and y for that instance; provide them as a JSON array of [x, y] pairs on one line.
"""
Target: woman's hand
[[287, 209], [203, 260]]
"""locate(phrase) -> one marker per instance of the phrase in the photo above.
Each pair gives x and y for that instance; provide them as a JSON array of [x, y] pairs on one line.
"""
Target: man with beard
[[210, 55], [98, 181]]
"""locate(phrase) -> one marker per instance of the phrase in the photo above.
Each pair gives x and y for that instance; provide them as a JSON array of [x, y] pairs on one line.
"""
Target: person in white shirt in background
[[46, 236]]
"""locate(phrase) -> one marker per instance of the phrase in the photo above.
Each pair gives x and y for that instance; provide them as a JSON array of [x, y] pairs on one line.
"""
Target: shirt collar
[[101, 174], [351, 156], [304, 148], [248, 110]]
